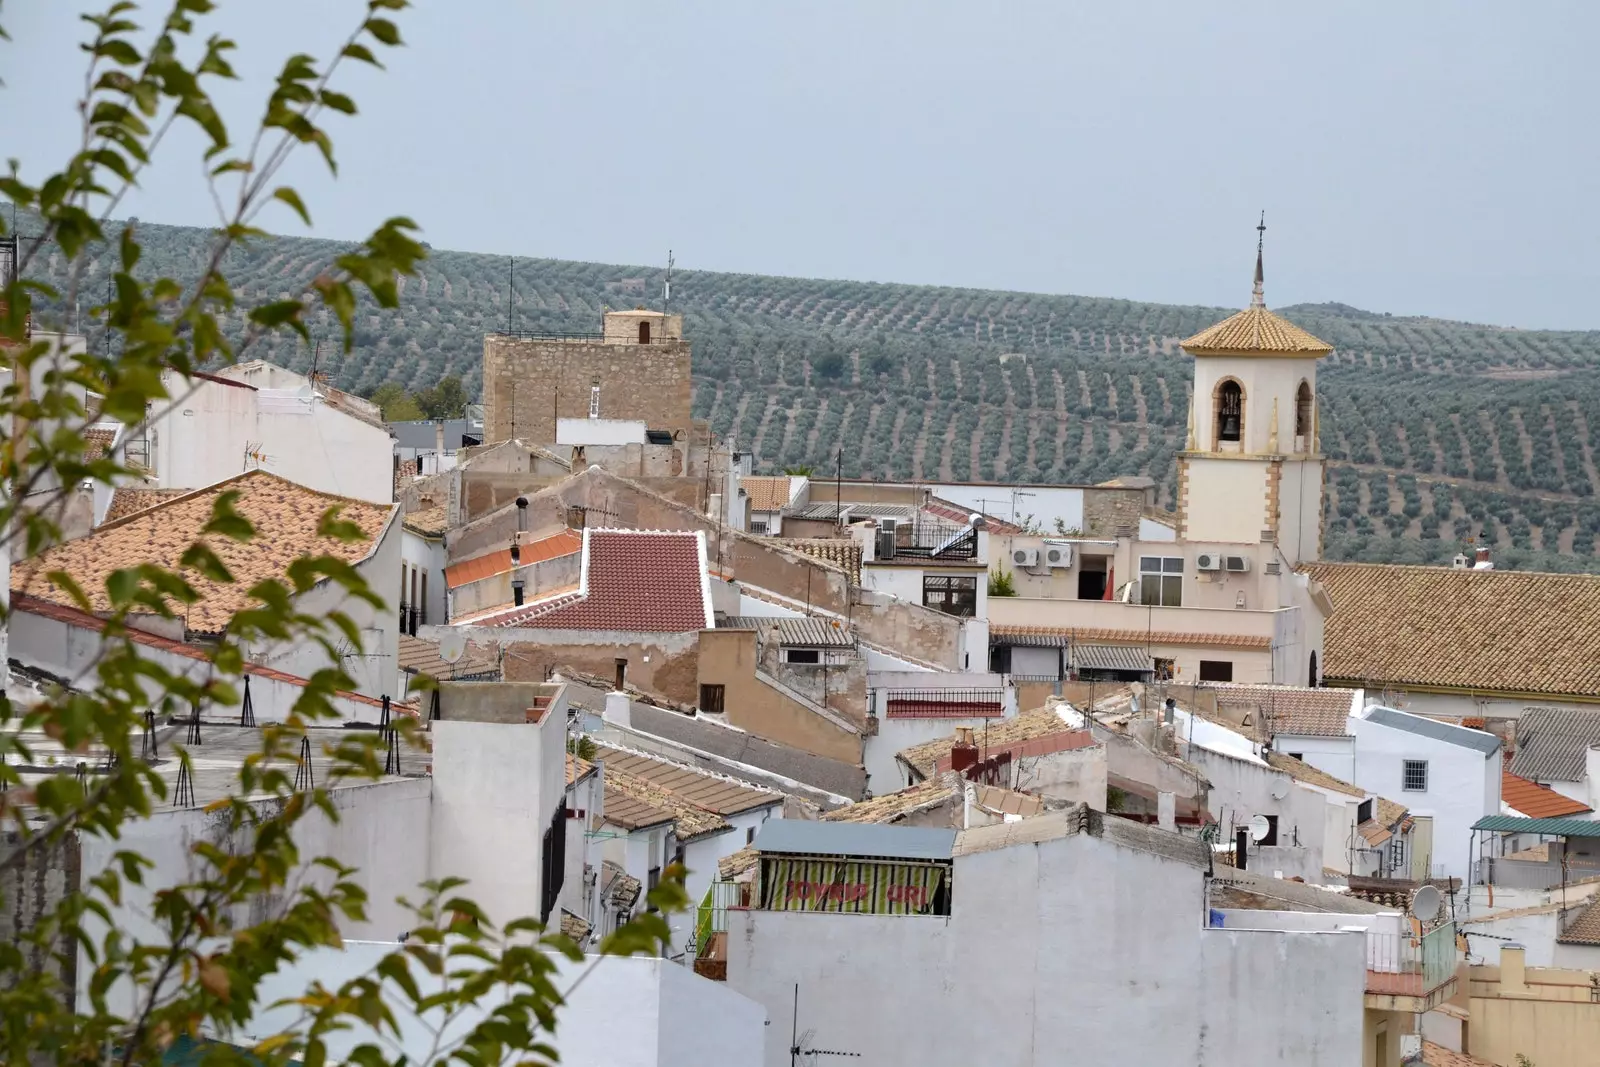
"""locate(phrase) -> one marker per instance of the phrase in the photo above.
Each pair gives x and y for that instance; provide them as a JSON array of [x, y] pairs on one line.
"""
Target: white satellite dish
[[1259, 827], [1425, 902], [1280, 788], [452, 646]]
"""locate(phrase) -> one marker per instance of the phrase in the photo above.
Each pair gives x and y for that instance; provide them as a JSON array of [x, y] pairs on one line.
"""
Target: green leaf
[[292, 198]]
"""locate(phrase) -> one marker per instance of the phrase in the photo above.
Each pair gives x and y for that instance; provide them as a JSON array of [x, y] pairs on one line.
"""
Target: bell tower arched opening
[[1227, 415], [1303, 417]]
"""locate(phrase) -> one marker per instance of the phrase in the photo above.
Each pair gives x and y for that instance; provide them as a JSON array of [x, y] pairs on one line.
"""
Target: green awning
[[1513, 824]]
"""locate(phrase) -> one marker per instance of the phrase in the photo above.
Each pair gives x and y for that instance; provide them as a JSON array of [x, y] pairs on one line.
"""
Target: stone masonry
[[528, 383]]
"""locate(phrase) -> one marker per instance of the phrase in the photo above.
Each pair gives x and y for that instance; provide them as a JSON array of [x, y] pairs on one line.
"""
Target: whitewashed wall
[[625, 1013], [1006, 979], [1335, 755]]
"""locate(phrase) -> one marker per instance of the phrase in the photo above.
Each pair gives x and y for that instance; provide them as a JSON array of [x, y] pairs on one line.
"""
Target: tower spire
[[1258, 297]]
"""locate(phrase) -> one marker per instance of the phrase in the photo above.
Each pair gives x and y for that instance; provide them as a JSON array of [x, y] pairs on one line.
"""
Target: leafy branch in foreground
[[251, 902]]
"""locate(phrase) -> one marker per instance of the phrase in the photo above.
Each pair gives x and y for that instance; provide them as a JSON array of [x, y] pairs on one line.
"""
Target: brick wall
[[1106, 509], [528, 384]]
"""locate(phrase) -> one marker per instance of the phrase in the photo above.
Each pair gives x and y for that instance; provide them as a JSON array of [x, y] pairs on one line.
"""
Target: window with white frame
[[1161, 581], [1414, 777], [758, 527]]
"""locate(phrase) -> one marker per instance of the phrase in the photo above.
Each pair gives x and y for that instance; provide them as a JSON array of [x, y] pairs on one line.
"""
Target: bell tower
[[1251, 470]]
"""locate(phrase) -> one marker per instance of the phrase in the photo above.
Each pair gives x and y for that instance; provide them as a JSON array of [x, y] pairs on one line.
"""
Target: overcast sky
[[1424, 158]]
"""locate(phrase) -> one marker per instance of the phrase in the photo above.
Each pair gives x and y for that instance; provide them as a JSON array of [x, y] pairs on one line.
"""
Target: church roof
[[1255, 331]]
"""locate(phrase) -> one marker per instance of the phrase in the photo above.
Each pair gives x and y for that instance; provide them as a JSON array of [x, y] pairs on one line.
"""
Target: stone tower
[[1251, 470], [637, 367]]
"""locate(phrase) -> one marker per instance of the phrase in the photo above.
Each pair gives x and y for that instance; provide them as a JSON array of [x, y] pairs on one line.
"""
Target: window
[[758, 527], [1301, 756], [423, 602], [644, 333], [1302, 413], [1092, 578], [1272, 831], [1229, 421], [1311, 678], [653, 879], [1364, 811], [1161, 581], [1000, 659], [802, 655], [1414, 778], [750, 835], [951, 594], [711, 698], [1216, 670]]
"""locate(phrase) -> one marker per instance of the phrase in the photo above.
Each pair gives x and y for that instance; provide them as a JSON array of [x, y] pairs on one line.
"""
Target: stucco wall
[[29, 892], [1241, 789], [728, 658], [1555, 1022], [1008, 970], [661, 664], [1225, 501]]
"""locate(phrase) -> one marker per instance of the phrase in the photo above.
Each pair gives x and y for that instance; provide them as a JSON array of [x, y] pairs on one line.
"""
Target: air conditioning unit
[[1208, 561], [1237, 564], [1058, 555], [1025, 557], [886, 533]]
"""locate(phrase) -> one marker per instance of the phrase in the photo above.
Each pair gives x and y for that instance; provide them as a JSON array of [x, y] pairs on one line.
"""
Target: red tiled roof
[[767, 494], [1536, 801], [641, 581], [563, 543], [44, 609], [959, 515], [1067, 741]]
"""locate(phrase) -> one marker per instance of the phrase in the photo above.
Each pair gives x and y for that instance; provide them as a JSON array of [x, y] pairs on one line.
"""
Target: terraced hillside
[[1438, 430]]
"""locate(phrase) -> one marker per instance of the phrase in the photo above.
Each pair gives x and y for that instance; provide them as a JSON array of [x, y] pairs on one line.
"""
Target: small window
[[711, 698], [1302, 412], [802, 655], [1414, 778], [1364, 811], [750, 835], [653, 879], [758, 527], [1272, 831], [1000, 659], [1161, 581], [644, 333], [951, 594], [1216, 670]]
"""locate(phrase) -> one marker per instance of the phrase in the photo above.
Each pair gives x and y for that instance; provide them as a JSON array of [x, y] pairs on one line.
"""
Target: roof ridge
[[1440, 568], [656, 757]]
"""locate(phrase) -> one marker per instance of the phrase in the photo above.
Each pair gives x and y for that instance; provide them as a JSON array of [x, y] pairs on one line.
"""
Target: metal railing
[[929, 539], [1404, 964], [1530, 874], [943, 703], [711, 917]]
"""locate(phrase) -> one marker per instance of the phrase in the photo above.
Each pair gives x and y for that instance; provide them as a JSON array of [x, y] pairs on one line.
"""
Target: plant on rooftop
[[247, 906], [1002, 583]]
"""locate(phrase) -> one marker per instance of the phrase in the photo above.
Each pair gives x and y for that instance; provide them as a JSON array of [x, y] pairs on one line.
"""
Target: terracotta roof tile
[[713, 792], [1439, 1056], [97, 441], [641, 581], [842, 552], [1537, 801], [1292, 709], [129, 501], [286, 517], [577, 767], [767, 494], [405, 472], [953, 512], [1133, 637], [1304, 772], [561, 543], [574, 926], [422, 657], [1255, 331], [1585, 929], [431, 522], [645, 803], [736, 863], [1030, 725], [892, 807], [1491, 631]]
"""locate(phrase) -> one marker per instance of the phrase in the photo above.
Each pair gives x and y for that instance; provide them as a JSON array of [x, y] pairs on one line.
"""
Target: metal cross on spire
[[1258, 298]]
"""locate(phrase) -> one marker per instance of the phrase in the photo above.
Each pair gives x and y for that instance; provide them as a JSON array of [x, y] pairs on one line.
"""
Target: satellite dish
[[1259, 827], [1280, 788], [452, 645], [1425, 902]]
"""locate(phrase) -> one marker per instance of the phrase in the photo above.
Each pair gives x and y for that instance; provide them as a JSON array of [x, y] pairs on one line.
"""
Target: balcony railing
[[943, 703], [711, 928], [1409, 966], [929, 539]]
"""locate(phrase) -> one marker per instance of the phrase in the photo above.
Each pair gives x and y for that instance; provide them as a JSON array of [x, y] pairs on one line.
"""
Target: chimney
[[1483, 562], [516, 587], [964, 753], [619, 710], [1513, 970], [438, 436], [522, 514]]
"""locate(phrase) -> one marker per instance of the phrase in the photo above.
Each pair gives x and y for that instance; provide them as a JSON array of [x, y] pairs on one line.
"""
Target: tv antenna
[[798, 1043], [666, 286]]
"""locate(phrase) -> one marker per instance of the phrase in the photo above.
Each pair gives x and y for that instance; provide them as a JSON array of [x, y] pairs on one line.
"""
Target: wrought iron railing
[[943, 703]]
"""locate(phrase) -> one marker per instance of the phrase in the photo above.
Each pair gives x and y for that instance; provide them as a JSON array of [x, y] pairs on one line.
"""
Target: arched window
[[1302, 412], [1312, 679], [644, 332], [1229, 421]]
